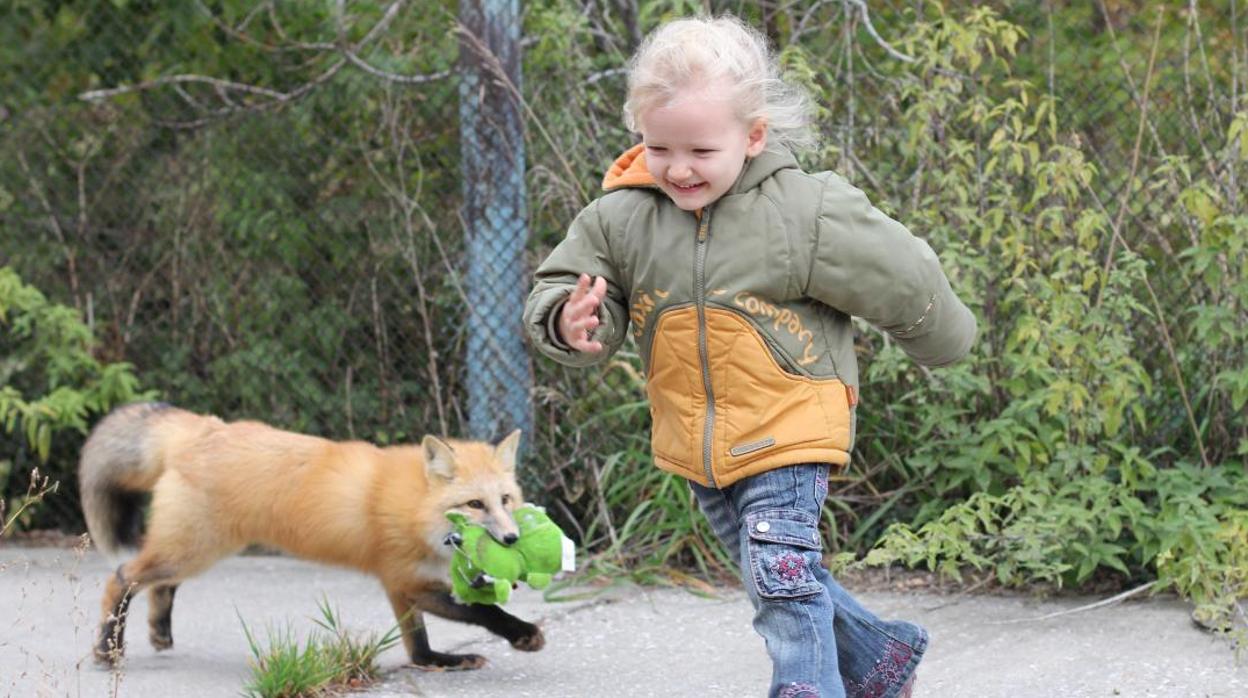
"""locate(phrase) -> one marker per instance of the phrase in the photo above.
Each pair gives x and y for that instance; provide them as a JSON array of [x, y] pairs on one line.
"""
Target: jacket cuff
[[943, 334], [552, 325], [540, 320]]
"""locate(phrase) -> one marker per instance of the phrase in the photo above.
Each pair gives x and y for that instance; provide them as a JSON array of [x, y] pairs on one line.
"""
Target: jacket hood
[[629, 169]]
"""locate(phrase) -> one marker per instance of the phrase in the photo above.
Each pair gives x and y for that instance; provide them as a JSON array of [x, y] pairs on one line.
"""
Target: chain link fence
[[316, 214]]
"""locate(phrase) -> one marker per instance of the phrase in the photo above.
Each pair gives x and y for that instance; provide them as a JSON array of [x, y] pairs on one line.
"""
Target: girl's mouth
[[686, 189]]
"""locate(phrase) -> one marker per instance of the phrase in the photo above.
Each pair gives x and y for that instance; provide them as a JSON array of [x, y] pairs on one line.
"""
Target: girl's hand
[[580, 314]]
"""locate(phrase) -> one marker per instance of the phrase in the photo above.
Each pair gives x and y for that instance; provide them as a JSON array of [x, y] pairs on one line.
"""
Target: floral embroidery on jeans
[[798, 690], [789, 567], [886, 674]]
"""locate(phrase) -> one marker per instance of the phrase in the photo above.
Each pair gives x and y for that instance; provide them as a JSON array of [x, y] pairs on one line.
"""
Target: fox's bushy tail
[[119, 465]]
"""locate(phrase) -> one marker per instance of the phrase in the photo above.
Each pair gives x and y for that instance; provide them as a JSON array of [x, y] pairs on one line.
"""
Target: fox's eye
[[476, 504]]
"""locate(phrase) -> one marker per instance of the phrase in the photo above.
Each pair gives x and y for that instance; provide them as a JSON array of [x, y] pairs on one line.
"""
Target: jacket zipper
[[699, 276]]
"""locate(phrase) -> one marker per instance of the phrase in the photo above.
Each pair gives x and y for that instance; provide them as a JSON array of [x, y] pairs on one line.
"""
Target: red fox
[[217, 487]]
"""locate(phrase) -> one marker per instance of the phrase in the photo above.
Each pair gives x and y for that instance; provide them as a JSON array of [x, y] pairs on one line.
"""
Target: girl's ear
[[756, 138]]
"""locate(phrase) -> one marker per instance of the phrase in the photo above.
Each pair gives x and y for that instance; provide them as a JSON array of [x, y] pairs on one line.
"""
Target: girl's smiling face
[[696, 146]]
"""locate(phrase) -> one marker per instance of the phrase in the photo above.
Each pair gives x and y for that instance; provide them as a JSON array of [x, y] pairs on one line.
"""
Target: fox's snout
[[503, 529]]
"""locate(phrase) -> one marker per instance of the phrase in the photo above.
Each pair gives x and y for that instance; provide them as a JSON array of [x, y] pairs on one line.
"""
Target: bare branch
[[866, 20], [186, 97], [1128, 188], [382, 24], [610, 72], [218, 83], [801, 29], [1092, 606], [392, 77], [282, 98], [351, 55], [1163, 328], [54, 224], [227, 90], [40, 486], [240, 34]]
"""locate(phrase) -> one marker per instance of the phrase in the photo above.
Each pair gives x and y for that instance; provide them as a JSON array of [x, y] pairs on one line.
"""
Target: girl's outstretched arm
[[576, 313], [867, 264]]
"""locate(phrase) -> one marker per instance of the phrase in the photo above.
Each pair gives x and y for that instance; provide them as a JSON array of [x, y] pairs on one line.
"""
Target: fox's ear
[[506, 450], [439, 458]]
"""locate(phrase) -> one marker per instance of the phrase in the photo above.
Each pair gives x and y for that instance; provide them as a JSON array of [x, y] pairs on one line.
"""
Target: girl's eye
[[656, 149], [703, 151], [476, 504]]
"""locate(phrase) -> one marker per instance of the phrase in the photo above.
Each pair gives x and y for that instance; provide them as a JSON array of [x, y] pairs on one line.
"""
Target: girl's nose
[[678, 171]]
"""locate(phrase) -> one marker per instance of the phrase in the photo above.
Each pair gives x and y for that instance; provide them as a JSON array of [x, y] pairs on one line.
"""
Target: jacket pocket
[[784, 551], [762, 409]]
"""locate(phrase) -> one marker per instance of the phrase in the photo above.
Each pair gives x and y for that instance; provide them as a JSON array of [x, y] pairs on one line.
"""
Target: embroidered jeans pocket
[[784, 551]]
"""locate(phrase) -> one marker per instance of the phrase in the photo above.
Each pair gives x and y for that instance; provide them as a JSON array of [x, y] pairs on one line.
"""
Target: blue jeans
[[822, 642]]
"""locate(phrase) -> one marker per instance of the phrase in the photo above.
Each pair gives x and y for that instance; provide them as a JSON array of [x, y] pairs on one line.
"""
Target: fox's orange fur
[[217, 487]]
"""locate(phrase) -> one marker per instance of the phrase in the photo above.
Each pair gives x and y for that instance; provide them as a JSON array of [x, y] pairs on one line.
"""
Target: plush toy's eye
[[476, 504], [506, 499]]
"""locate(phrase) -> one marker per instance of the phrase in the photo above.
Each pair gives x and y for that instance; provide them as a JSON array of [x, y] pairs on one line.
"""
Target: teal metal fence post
[[499, 372]]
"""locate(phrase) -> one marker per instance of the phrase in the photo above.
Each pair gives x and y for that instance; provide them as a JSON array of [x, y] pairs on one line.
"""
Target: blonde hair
[[722, 51]]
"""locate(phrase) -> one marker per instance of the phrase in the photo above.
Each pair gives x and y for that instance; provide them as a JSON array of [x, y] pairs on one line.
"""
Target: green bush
[[1094, 429], [51, 389]]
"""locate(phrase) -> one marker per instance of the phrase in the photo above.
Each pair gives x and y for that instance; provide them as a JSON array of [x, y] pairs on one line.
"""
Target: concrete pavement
[[626, 642]]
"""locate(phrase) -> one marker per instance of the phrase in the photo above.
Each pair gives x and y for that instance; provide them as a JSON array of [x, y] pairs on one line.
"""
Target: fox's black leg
[[416, 639], [521, 634], [159, 612], [146, 570], [116, 604]]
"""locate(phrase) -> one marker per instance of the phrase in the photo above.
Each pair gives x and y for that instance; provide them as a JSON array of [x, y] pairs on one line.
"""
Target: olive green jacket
[[741, 312]]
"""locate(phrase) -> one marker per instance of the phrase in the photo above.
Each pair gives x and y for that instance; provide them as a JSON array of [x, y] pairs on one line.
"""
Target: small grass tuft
[[331, 658]]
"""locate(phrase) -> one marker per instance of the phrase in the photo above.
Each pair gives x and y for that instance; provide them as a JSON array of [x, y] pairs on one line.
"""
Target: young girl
[[738, 273]]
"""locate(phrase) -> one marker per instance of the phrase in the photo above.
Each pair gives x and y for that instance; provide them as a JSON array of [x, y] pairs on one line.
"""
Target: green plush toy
[[484, 571]]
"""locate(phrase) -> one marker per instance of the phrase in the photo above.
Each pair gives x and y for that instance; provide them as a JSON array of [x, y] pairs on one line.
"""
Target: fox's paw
[[107, 656], [161, 641], [108, 648], [531, 640], [437, 661]]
